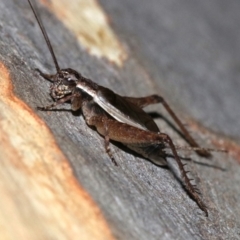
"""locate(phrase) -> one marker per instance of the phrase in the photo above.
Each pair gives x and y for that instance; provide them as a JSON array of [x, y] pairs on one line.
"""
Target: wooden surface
[[57, 182]]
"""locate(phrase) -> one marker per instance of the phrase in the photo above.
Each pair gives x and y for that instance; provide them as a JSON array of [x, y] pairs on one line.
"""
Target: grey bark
[[191, 51]]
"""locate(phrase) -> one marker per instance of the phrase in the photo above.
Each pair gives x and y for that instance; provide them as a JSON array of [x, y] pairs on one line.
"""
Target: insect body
[[118, 118]]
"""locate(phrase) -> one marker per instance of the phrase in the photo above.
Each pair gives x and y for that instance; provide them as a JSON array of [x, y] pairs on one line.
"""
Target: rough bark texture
[[187, 51]]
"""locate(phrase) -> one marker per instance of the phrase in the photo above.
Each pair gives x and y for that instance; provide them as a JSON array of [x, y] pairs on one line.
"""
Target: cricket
[[119, 118]]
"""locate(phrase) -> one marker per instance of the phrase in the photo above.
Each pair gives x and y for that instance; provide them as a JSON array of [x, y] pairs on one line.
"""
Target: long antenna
[[45, 36]]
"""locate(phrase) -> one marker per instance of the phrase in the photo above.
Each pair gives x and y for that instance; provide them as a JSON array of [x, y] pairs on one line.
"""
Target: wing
[[123, 110]]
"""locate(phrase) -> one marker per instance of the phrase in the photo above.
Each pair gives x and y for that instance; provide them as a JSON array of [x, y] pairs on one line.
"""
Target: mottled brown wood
[[187, 52], [40, 198]]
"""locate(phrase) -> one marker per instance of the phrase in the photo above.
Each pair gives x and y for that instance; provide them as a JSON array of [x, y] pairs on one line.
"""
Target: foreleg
[[48, 77], [59, 102]]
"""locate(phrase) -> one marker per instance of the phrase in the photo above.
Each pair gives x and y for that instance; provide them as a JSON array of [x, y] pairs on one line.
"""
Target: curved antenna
[[45, 36]]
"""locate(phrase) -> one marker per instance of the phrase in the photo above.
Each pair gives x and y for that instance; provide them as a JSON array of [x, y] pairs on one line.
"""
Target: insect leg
[[138, 139], [92, 111], [192, 190], [188, 137], [152, 99], [144, 101], [59, 102], [48, 77], [107, 146]]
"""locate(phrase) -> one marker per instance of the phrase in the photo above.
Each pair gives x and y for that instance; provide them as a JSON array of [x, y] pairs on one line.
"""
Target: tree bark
[[57, 182]]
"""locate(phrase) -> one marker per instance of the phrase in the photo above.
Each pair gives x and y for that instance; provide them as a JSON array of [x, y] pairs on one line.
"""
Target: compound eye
[[72, 77], [66, 74], [63, 75]]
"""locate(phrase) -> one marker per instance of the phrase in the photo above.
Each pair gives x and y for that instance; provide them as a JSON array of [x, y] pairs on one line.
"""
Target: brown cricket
[[119, 118]]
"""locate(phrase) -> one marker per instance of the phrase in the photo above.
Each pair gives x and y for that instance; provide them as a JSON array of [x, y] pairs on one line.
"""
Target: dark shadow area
[[156, 115], [197, 162]]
